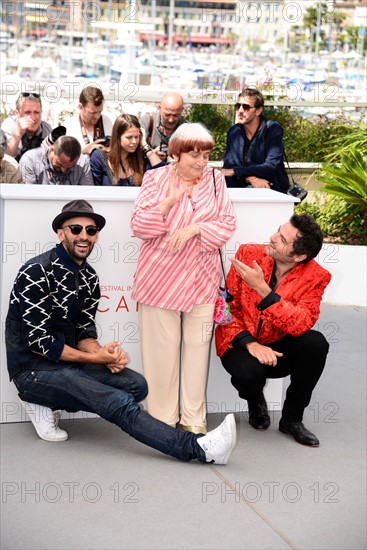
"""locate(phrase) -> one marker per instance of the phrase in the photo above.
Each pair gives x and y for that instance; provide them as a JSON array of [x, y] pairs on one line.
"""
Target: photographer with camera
[[89, 126], [126, 157], [160, 126], [59, 164], [254, 155]]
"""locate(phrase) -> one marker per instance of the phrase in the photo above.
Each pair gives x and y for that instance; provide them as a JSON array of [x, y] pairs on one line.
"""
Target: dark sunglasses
[[76, 229], [244, 106], [28, 94]]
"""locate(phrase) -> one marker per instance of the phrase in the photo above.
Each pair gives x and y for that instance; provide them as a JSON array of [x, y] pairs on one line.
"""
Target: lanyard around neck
[[98, 131]]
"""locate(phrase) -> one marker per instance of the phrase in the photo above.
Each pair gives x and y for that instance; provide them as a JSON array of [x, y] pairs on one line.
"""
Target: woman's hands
[[181, 236], [174, 192]]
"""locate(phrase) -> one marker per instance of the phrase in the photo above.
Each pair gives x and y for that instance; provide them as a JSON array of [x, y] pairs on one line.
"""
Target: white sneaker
[[45, 421], [219, 443]]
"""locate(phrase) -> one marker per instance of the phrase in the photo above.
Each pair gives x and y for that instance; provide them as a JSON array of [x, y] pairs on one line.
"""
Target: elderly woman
[[183, 215], [9, 170], [127, 157]]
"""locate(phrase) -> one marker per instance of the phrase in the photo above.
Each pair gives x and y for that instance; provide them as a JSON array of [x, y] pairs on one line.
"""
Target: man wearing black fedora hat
[[56, 363]]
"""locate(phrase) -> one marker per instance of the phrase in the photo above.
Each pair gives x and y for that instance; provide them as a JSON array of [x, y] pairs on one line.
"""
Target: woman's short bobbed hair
[[190, 136]]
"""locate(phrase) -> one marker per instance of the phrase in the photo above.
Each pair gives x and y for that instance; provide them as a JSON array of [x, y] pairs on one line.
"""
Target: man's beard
[[76, 253]]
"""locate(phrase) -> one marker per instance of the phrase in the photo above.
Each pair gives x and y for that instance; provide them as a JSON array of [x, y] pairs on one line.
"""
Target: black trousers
[[303, 359]]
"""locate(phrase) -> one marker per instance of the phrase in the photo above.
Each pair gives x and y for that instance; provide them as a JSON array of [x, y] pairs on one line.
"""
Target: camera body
[[106, 141], [297, 191], [163, 147]]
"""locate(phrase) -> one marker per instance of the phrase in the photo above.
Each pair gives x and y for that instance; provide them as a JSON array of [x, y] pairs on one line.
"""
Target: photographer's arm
[[87, 149], [153, 155]]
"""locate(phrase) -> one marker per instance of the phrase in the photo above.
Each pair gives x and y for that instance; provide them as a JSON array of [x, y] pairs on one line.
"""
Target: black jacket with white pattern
[[53, 302]]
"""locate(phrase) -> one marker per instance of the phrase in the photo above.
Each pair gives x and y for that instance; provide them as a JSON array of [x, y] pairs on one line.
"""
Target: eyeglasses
[[29, 94], [245, 106], [76, 229]]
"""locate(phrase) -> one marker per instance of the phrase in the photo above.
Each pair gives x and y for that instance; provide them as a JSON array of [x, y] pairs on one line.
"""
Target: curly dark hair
[[309, 241]]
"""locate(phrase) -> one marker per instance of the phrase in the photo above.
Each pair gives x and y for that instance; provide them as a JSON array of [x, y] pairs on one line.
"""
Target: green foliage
[[311, 139], [348, 180], [310, 17], [356, 139], [328, 14], [354, 38], [217, 118], [342, 213], [332, 214]]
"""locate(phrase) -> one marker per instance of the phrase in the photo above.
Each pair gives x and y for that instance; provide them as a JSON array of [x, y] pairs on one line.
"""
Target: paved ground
[[103, 490]]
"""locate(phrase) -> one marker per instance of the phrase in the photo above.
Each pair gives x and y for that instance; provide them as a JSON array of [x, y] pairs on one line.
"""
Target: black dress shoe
[[300, 433], [258, 414]]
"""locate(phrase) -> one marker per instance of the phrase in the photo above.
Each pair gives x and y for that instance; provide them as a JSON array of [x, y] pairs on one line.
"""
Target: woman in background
[[183, 214], [126, 158]]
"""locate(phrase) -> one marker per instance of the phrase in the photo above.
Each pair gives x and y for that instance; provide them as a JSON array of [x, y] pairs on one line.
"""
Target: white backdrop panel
[[25, 230]]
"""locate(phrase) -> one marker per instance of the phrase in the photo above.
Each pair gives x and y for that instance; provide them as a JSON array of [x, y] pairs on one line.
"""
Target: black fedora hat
[[74, 209]]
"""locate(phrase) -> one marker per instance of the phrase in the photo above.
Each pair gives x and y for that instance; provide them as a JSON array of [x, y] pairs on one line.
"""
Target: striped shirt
[[178, 280]]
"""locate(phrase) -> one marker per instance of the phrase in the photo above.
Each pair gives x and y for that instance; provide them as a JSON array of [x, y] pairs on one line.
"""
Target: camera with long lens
[[53, 136]]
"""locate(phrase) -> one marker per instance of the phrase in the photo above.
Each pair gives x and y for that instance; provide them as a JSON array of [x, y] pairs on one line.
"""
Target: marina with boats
[[136, 58]]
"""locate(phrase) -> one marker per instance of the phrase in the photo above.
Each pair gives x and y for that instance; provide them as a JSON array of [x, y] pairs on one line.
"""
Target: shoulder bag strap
[[289, 168], [219, 250], [84, 131], [150, 128], [284, 153], [99, 129]]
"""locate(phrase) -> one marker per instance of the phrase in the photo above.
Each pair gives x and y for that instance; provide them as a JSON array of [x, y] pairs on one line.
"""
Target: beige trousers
[[175, 350]]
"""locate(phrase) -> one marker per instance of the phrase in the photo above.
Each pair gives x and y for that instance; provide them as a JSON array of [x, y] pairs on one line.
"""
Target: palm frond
[[357, 140], [347, 179]]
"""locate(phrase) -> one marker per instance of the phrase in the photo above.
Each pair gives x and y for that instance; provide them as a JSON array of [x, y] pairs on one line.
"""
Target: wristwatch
[[146, 148]]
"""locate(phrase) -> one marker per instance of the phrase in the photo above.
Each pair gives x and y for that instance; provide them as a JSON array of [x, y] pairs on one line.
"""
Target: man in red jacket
[[277, 290]]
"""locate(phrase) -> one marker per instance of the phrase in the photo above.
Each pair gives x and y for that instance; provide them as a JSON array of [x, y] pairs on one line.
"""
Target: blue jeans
[[114, 397]]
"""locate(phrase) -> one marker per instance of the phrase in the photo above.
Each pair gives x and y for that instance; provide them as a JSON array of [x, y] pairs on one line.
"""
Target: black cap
[[77, 208]]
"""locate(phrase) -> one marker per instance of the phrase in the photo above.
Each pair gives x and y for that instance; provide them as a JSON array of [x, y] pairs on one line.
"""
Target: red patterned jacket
[[296, 312]]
